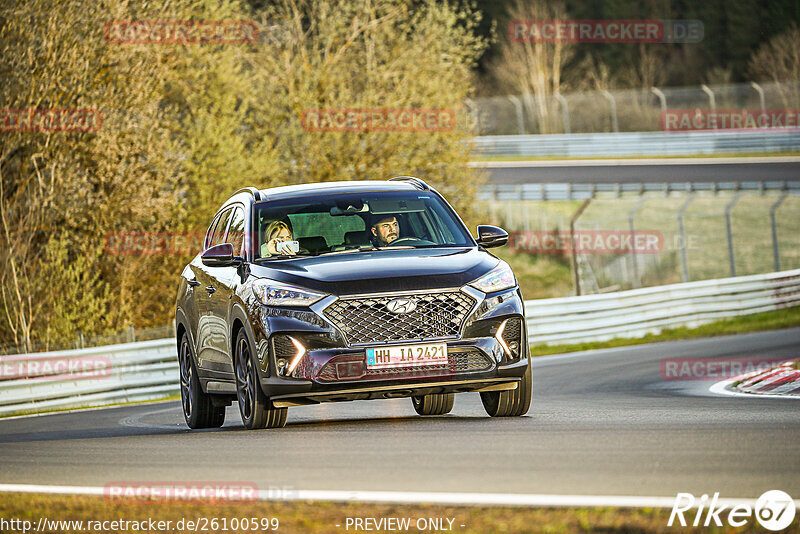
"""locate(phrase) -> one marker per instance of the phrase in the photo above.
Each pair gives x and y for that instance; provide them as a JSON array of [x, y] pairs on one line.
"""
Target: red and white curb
[[782, 382]]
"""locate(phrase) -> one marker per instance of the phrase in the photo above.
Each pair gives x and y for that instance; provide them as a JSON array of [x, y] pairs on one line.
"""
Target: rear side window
[[236, 231]]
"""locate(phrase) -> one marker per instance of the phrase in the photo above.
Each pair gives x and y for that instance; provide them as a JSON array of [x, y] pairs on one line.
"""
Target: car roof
[[353, 186]]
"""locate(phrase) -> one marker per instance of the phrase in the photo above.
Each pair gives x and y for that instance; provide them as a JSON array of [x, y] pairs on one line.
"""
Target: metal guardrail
[[638, 312], [148, 370], [639, 143], [568, 191], [94, 376]]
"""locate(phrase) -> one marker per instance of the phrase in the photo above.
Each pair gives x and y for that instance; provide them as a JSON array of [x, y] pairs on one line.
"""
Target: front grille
[[367, 319], [457, 362]]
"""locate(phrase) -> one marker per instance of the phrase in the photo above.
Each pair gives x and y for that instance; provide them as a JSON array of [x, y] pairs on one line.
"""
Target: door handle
[[193, 283], [210, 290]]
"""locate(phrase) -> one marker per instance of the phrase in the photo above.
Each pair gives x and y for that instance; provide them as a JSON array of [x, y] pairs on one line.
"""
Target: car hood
[[381, 271]]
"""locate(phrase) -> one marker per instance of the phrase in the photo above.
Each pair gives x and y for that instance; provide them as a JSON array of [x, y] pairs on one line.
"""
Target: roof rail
[[416, 182], [252, 190]]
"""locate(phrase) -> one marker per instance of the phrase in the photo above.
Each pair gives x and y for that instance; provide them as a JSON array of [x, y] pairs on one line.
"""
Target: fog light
[[514, 346], [282, 364]]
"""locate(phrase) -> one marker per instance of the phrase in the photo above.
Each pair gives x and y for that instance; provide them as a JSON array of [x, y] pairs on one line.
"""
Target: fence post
[[728, 209], [662, 98], [564, 110], [760, 92], [682, 234], [711, 99], [613, 103], [631, 214], [775, 252], [520, 114], [472, 107], [131, 334], [576, 278]]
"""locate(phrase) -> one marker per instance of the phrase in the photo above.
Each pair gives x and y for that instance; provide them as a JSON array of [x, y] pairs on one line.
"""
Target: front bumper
[[330, 370]]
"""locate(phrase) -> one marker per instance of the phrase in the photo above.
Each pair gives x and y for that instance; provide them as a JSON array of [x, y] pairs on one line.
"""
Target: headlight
[[275, 294], [499, 278]]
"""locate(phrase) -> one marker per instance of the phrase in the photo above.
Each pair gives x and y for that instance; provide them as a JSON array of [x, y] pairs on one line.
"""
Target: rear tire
[[256, 409], [198, 407], [512, 403], [434, 404]]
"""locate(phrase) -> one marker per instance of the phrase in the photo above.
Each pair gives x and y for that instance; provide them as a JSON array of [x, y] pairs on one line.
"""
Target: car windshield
[[342, 223]]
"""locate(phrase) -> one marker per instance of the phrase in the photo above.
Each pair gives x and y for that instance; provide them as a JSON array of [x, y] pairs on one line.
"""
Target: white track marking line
[[416, 497]]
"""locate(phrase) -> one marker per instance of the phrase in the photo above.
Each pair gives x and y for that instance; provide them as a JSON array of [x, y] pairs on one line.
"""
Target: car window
[[219, 229], [343, 222], [236, 231]]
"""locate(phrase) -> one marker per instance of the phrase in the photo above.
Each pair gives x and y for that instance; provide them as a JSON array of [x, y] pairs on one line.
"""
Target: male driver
[[385, 230]]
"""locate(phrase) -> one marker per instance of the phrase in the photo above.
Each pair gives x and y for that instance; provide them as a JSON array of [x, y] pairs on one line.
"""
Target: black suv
[[347, 291]]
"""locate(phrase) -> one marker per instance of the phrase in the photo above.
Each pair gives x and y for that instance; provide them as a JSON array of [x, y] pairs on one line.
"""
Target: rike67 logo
[[774, 510]]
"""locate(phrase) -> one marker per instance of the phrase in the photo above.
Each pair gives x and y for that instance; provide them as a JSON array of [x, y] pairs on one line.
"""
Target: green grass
[[772, 320], [323, 517], [478, 157]]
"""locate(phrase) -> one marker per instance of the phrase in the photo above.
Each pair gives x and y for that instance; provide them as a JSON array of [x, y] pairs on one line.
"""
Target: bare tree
[[534, 68]]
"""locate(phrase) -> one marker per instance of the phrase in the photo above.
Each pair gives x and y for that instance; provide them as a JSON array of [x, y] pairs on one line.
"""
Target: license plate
[[407, 356]]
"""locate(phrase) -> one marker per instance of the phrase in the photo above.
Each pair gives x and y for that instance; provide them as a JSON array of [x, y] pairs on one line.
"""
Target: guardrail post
[[760, 92], [613, 103], [631, 214], [576, 278], [682, 234], [775, 252], [728, 209], [520, 114], [564, 110]]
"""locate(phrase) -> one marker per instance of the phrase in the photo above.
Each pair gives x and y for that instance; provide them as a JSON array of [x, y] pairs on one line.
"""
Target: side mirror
[[491, 236], [219, 256]]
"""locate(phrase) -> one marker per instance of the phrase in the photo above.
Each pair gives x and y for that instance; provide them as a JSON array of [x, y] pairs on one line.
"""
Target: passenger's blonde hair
[[274, 228]]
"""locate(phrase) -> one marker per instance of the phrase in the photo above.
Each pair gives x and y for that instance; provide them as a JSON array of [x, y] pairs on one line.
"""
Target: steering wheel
[[410, 241]]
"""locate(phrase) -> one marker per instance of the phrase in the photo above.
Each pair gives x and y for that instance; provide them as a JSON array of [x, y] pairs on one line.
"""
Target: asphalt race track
[[656, 171], [602, 423]]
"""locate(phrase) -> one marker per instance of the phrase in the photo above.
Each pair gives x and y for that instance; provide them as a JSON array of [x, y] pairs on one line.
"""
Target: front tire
[[512, 403], [434, 404], [256, 409], [198, 407]]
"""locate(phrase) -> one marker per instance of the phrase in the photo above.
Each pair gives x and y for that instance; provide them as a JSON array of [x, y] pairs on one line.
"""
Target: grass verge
[[771, 320], [323, 517]]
